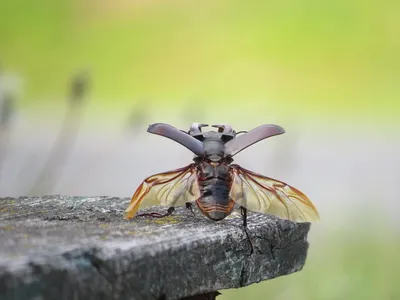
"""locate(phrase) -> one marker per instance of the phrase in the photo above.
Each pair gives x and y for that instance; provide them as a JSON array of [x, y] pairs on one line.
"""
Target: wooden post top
[[66, 247]]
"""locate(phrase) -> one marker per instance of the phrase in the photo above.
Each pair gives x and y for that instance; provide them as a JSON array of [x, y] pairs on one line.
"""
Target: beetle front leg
[[158, 215]]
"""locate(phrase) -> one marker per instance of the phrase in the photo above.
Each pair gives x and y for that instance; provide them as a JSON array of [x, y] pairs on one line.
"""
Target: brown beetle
[[215, 184]]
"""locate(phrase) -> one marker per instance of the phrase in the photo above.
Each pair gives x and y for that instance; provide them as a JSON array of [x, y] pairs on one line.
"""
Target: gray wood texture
[[65, 247]]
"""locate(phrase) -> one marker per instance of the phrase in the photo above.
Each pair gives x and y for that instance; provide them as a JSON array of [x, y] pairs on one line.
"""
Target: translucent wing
[[266, 195], [172, 188]]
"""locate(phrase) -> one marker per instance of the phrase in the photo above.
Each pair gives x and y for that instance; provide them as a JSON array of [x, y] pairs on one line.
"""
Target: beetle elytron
[[215, 184]]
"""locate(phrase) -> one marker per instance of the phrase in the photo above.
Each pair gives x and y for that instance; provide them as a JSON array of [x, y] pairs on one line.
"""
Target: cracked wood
[[81, 248]]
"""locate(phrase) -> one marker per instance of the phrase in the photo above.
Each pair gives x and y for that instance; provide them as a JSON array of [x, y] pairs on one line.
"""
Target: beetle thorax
[[214, 148]]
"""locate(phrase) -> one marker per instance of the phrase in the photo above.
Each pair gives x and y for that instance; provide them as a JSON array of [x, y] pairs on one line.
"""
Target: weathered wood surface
[[61, 247]]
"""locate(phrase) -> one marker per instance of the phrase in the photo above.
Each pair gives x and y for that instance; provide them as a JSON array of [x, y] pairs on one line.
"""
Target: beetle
[[214, 183]]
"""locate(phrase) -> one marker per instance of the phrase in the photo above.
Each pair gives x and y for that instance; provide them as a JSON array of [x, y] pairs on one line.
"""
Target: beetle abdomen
[[215, 202], [214, 186]]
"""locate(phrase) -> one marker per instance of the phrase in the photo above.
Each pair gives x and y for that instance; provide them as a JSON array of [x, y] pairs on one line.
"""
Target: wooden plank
[[65, 247]]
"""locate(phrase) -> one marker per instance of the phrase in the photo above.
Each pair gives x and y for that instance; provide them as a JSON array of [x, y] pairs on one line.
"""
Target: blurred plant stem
[[7, 100], [5, 111], [64, 143]]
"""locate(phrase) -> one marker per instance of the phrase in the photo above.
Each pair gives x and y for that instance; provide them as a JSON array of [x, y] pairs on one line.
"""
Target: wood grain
[[64, 247]]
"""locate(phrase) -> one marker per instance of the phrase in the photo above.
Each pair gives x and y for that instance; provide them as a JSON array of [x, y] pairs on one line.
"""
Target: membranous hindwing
[[266, 195], [172, 188]]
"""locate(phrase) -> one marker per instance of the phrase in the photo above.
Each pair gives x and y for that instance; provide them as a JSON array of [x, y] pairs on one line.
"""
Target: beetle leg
[[190, 206], [158, 215], [243, 212]]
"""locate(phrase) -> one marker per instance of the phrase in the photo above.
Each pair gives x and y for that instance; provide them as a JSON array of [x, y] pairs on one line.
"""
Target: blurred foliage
[[336, 59]]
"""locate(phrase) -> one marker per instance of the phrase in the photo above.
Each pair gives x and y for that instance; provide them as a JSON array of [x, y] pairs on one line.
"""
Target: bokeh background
[[80, 81]]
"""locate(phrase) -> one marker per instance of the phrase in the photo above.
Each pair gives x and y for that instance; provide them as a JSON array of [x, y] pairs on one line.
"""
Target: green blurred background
[[336, 58], [308, 62]]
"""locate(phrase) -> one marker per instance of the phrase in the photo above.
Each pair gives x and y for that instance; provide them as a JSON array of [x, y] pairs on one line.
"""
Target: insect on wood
[[214, 183]]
